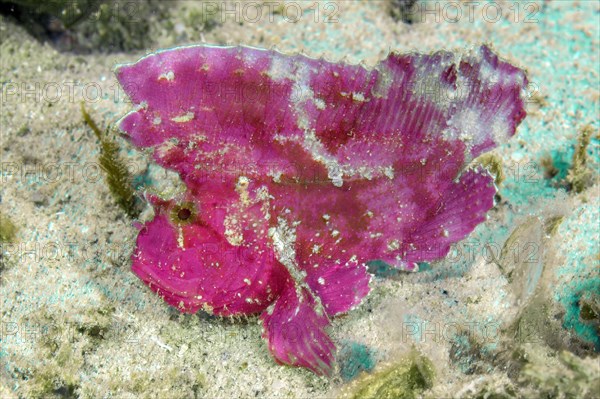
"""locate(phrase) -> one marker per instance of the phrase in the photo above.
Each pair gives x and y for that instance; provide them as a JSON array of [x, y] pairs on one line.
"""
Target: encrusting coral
[[299, 171]]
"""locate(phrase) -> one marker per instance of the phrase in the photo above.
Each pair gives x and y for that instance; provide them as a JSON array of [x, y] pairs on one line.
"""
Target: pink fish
[[299, 171]]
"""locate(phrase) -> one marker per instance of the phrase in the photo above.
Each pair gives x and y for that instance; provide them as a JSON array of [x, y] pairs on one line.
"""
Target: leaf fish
[[298, 171]]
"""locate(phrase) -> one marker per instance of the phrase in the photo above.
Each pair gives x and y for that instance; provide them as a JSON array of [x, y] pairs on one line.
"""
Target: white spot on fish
[[188, 116], [320, 104], [169, 76]]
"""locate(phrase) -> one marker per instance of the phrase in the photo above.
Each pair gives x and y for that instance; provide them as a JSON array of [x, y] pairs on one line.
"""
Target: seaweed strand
[[117, 176]]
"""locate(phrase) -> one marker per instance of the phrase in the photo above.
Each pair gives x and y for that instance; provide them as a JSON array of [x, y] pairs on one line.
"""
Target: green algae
[[8, 230], [568, 377], [108, 25], [56, 375], [63, 341], [559, 375], [402, 10], [68, 11], [570, 169], [590, 308], [118, 25], [49, 382], [493, 163], [552, 224], [8, 234], [580, 176], [405, 379], [172, 383], [117, 176], [556, 165], [203, 19]]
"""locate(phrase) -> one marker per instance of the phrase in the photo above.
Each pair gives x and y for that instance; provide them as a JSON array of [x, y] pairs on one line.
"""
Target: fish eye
[[183, 213]]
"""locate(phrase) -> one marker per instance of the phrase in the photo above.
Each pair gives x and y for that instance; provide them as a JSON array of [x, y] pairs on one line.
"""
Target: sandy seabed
[[76, 322]]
